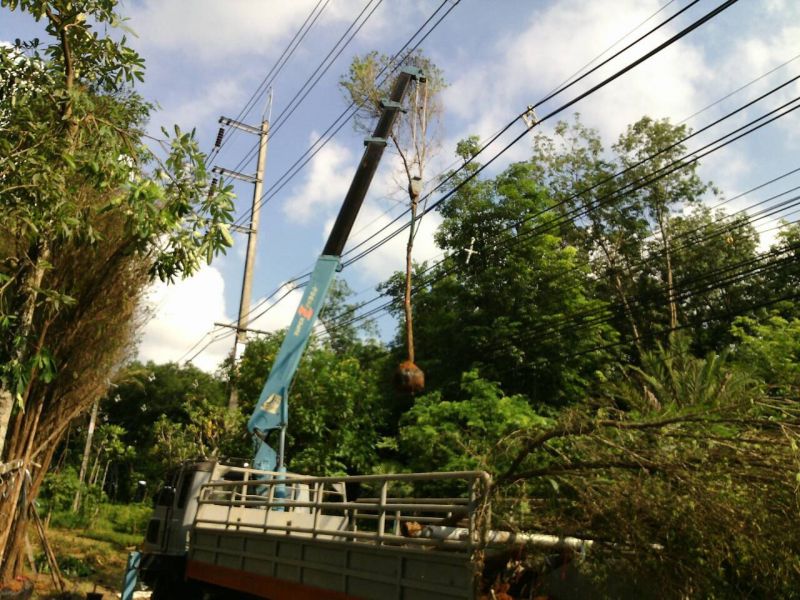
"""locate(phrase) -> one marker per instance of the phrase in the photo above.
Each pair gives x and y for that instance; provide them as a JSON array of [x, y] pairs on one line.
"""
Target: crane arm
[[272, 411]]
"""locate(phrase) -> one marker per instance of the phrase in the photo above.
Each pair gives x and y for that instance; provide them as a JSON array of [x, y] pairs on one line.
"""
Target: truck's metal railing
[[316, 507]]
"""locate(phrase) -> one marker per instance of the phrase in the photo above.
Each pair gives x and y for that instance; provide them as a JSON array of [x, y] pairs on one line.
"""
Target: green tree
[[462, 434], [607, 226], [647, 151], [88, 215], [612, 217], [503, 309], [712, 258], [336, 412], [770, 349], [169, 413], [207, 431], [783, 282], [683, 467]]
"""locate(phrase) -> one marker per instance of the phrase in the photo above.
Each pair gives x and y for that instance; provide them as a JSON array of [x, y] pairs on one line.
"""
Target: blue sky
[[205, 58]]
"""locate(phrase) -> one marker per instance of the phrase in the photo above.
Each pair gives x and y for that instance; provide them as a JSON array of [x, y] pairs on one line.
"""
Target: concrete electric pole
[[252, 238]]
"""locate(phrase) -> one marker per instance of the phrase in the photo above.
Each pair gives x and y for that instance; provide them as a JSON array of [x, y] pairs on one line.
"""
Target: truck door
[[157, 535], [175, 535]]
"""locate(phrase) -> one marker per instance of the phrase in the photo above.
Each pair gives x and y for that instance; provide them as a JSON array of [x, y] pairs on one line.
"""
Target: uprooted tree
[[89, 217], [415, 140]]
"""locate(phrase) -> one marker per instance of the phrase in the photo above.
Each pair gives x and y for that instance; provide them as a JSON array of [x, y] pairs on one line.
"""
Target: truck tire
[[169, 587]]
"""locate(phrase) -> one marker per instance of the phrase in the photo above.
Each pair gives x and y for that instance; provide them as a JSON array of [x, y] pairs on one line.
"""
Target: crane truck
[[222, 530]]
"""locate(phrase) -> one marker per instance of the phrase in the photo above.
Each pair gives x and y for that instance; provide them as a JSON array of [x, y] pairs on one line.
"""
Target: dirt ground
[[97, 566]]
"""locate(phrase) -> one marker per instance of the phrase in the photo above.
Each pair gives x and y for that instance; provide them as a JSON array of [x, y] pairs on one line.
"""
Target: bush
[[120, 524], [70, 566], [59, 488], [125, 518]]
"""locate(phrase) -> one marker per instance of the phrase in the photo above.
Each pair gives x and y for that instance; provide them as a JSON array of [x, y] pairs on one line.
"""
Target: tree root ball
[[409, 378]]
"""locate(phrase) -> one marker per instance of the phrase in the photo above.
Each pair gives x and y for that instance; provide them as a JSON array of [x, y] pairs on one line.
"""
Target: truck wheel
[[170, 588]]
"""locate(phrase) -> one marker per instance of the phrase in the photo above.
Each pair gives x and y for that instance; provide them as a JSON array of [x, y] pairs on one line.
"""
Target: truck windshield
[[186, 485]]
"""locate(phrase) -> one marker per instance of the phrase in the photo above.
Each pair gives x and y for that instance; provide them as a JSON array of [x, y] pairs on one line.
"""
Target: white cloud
[[222, 94], [186, 310], [214, 31], [521, 69], [182, 312], [326, 183]]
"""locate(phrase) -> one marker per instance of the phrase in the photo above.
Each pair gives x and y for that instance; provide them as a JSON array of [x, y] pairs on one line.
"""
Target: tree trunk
[[407, 298], [16, 546], [671, 296], [11, 526], [6, 406], [105, 474], [95, 471], [612, 267], [87, 449], [32, 282]]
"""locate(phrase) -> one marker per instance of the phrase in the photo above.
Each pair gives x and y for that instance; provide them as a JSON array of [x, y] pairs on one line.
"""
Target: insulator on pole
[[213, 187], [220, 133]]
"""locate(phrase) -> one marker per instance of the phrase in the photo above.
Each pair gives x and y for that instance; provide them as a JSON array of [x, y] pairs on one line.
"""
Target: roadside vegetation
[[620, 356]]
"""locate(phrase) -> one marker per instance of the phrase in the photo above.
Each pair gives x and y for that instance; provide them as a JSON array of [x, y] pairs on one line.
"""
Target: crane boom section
[[271, 411]]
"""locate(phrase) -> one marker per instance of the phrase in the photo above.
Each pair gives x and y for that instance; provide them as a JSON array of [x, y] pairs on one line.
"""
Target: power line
[[298, 99], [685, 290], [553, 113], [637, 184], [674, 38], [598, 86], [729, 221], [277, 67], [605, 180], [394, 63], [739, 89], [294, 102], [516, 119]]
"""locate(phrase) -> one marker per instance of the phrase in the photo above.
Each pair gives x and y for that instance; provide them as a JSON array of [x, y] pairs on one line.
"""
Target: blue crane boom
[[272, 411]]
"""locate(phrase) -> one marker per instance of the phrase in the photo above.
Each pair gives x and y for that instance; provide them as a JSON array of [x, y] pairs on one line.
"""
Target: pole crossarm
[[239, 125], [248, 329], [235, 174]]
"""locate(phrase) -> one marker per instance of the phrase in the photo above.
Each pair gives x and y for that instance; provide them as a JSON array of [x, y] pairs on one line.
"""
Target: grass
[[92, 552]]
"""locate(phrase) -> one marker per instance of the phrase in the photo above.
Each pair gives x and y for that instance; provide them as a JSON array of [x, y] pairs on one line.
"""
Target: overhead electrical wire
[[614, 76], [694, 25], [609, 178], [729, 224], [739, 89], [560, 89], [297, 99], [610, 312], [442, 256], [561, 86], [274, 71], [684, 32], [325, 140], [394, 63], [730, 280], [683, 162], [311, 82], [455, 164], [263, 86]]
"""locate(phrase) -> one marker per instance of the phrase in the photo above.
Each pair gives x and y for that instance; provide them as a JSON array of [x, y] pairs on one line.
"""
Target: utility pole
[[252, 235]]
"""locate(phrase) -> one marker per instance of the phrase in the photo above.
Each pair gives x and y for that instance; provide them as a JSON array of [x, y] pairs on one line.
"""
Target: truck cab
[[174, 508]]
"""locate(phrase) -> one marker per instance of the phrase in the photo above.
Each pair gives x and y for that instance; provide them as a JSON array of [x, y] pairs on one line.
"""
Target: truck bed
[[300, 537]]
